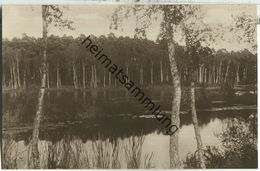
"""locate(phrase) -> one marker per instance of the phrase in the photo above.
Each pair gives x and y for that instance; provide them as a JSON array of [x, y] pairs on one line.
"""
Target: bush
[[239, 144]]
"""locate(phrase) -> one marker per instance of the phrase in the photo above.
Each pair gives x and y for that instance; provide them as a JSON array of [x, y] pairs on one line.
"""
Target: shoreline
[[71, 88]]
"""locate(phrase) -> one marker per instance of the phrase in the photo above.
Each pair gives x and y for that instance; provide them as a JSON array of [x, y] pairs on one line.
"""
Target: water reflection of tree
[[72, 153], [20, 106], [133, 153], [9, 153], [94, 94]]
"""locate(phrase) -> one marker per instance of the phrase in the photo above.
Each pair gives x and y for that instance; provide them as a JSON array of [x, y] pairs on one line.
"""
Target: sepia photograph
[[129, 86]]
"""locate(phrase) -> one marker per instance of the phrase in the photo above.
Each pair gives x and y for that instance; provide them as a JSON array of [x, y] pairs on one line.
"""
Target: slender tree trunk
[[140, 71], [161, 73], [220, 72], [196, 126], [237, 74], [14, 74], [200, 73], [227, 71], [209, 75], [217, 73], [37, 120], [167, 77], [24, 79], [127, 72], [11, 77], [59, 79], [92, 77], [151, 73], [208, 79], [109, 79], [187, 74], [48, 76], [104, 79], [83, 75], [74, 74], [95, 77], [86, 77], [18, 71], [141, 75], [204, 74], [58, 75], [3, 80], [174, 144], [176, 99], [246, 73], [213, 74]]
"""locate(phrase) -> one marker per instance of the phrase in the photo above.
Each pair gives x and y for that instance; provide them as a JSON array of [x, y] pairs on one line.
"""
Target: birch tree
[[170, 17], [195, 33], [51, 14]]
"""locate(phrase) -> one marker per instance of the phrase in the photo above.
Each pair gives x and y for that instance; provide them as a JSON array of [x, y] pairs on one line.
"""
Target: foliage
[[245, 28], [239, 143], [55, 17], [132, 52]]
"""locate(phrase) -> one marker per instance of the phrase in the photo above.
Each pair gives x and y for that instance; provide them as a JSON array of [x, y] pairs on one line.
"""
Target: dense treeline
[[144, 61]]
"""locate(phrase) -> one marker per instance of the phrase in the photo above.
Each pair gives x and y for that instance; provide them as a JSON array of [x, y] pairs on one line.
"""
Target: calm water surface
[[106, 117]]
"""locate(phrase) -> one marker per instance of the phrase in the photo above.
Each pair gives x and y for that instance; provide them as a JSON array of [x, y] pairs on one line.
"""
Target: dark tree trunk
[[48, 76], [104, 79], [11, 77], [57, 76], [18, 71], [151, 73], [141, 75], [237, 74]]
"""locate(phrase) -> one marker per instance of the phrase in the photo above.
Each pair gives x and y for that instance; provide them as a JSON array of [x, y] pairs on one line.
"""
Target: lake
[[109, 122]]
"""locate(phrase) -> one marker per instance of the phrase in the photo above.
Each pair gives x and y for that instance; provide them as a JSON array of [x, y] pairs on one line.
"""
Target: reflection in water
[[87, 127], [133, 154], [150, 150], [70, 152], [9, 153]]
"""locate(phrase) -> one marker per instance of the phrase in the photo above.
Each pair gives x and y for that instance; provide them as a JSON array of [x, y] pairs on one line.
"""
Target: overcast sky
[[95, 19]]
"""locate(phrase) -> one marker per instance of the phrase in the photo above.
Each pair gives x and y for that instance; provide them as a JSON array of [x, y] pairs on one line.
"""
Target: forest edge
[[130, 85]]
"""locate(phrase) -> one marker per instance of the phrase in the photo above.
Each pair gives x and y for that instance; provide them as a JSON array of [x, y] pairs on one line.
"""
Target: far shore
[[249, 87]]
